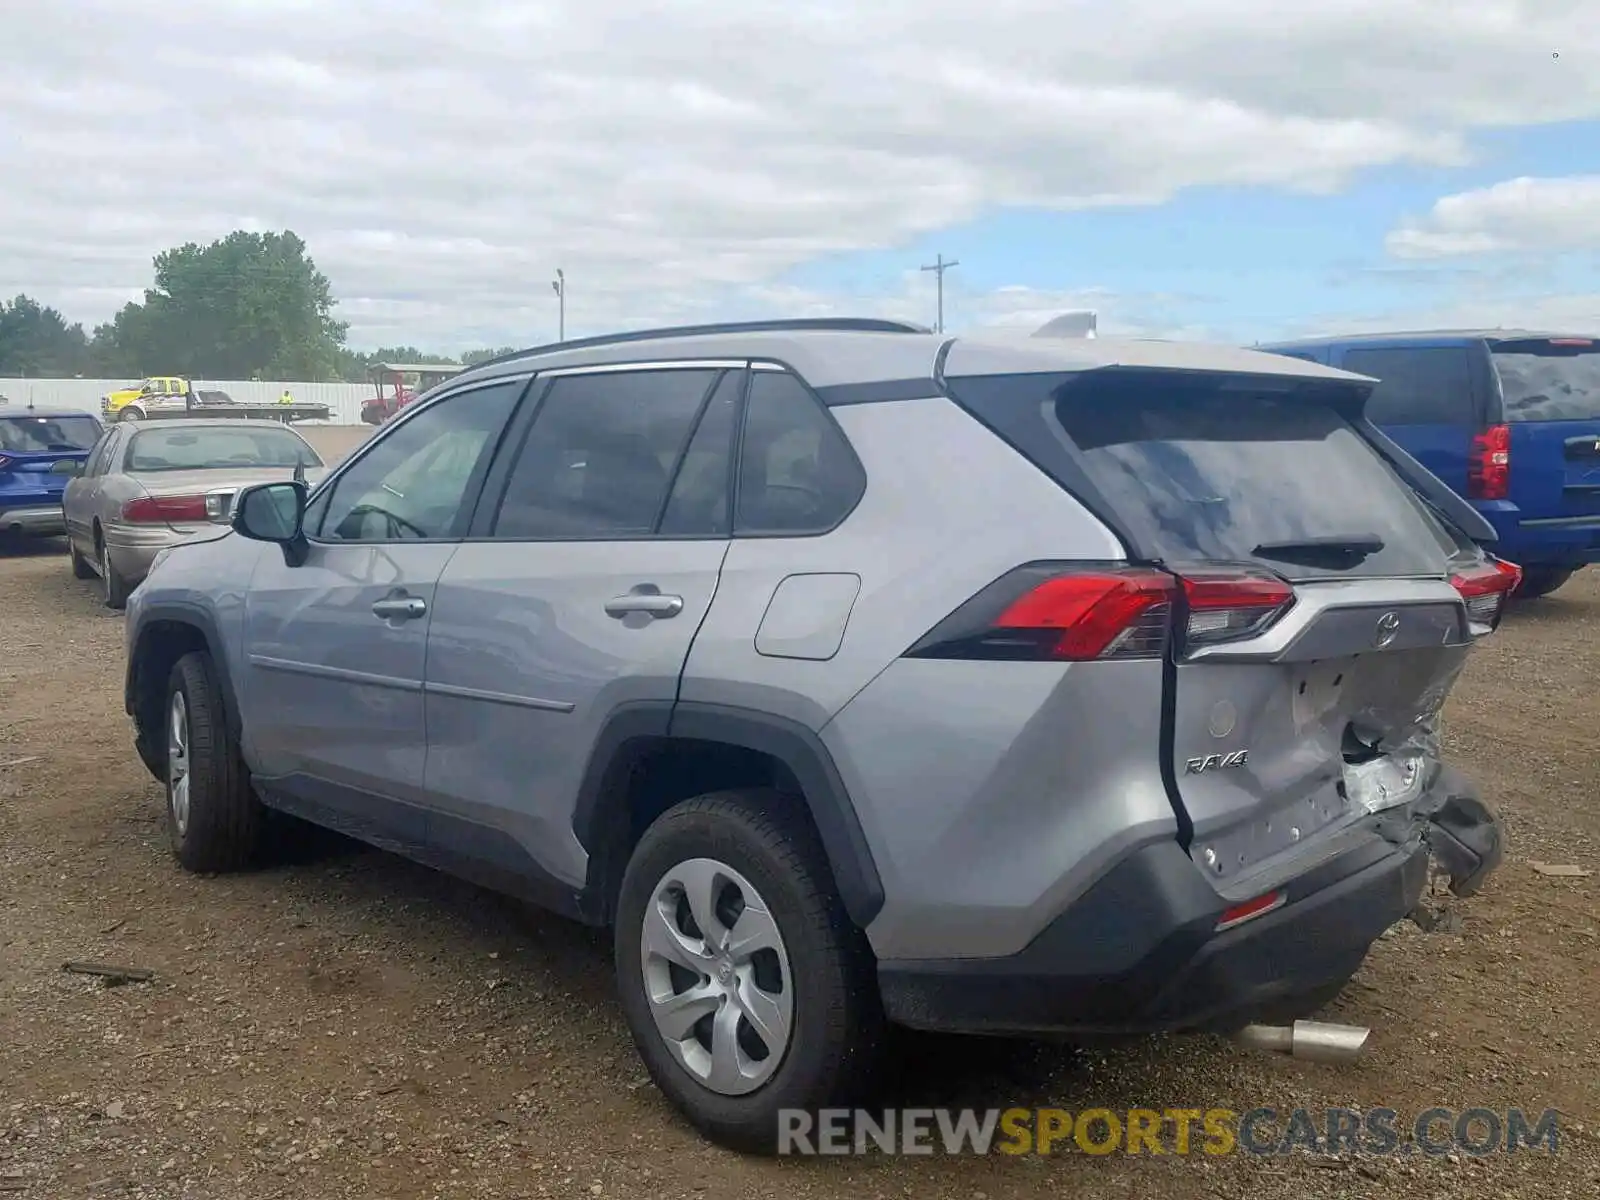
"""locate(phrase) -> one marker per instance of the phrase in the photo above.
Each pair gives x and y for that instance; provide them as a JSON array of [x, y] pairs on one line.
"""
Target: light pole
[[939, 267], [559, 283]]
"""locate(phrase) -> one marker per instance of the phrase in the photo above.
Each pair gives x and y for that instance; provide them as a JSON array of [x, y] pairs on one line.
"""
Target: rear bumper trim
[[1140, 951]]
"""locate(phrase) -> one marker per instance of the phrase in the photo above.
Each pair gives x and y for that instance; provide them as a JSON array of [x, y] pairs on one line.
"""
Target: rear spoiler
[[1439, 495]]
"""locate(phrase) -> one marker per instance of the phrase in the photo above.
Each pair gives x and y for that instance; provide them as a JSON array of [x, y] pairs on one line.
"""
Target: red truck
[[398, 384]]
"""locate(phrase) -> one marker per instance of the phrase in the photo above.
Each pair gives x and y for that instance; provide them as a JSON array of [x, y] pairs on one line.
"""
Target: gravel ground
[[345, 1024]]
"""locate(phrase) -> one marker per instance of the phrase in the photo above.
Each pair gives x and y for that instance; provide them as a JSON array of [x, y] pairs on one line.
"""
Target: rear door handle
[[651, 603], [400, 608]]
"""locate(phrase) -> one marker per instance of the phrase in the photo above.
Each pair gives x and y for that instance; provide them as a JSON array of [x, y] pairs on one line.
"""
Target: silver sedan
[[146, 487]]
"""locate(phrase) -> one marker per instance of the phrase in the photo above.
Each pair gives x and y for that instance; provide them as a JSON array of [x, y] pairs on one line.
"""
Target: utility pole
[[939, 267], [559, 283]]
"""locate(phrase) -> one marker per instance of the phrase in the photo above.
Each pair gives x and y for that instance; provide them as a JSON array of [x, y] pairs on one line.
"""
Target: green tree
[[473, 357], [37, 341], [249, 305]]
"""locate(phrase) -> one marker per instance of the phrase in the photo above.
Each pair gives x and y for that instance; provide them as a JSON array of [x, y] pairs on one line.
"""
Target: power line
[[939, 267]]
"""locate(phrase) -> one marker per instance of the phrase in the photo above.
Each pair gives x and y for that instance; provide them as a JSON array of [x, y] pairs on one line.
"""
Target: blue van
[[1508, 418]]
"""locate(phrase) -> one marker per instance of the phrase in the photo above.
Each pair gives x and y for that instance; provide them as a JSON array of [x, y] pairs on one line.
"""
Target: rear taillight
[[1046, 612], [1489, 467], [1074, 618], [1484, 589], [164, 510], [1226, 605]]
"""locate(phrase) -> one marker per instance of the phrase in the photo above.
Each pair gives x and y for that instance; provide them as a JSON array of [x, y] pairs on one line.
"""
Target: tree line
[[247, 306]]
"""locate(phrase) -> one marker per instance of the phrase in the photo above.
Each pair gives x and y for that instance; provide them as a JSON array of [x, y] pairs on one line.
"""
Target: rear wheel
[[747, 989], [213, 817], [81, 567], [112, 583], [1541, 581]]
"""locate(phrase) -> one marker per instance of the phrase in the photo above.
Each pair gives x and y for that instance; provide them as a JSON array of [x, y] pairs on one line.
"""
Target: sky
[[1228, 170]]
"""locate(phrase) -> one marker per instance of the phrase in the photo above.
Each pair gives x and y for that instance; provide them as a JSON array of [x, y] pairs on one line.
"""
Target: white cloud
[[442, 158], [1489, 308], [1524, 214]]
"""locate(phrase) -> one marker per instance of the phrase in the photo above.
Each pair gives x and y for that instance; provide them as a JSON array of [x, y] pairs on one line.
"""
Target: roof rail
[[790, 325]]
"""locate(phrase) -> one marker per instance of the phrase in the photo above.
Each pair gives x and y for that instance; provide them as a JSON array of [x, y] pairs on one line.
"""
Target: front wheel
[[213, 817], [131, 414], [1541, 581], [747, 989]]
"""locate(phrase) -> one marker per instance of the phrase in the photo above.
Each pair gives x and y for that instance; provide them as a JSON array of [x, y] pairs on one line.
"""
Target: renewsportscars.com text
[[1179, 1131]]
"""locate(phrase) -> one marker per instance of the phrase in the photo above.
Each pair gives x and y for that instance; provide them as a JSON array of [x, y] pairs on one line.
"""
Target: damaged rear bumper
[[1462, 832], [1141, 950]]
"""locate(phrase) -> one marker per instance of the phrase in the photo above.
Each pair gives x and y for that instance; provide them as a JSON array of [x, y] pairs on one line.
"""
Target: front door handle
[[400, 608], [652, 604]]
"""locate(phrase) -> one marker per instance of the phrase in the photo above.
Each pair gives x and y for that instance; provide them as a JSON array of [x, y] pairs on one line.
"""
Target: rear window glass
[[37, 435], [1205, 475], [1545, 381], [189, 449]]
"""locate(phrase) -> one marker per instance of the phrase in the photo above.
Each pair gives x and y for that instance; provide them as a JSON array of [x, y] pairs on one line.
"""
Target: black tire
[[131, 413], [837, 1026], [115, 587], [81, 566], [224, 825], [1541, 581]]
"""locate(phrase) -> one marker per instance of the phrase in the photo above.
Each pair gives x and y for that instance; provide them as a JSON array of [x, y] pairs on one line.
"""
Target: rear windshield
[[1200, 474], [1548, 381], [36, 435], [219, 449]]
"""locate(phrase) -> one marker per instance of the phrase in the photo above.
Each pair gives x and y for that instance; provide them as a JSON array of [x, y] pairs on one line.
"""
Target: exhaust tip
[[1309, 1041]]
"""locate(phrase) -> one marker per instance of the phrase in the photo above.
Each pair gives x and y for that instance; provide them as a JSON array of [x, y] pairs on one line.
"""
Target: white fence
[[344, 400]]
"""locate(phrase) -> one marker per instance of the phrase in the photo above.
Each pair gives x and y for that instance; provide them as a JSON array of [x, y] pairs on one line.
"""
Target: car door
[[335, 644], [581, 592], [1426, 400], [80, 496]]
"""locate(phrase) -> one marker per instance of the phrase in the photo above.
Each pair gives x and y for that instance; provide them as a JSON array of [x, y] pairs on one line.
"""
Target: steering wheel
[[397, 524]]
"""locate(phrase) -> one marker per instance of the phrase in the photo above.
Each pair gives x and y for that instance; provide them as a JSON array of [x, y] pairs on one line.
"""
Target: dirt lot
[[349, 1025]]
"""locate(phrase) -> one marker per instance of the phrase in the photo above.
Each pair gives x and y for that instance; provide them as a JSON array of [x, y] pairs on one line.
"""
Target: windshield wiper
[[1346, 549]]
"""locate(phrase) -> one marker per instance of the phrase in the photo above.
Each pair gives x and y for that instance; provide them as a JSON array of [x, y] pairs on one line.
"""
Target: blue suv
[[40, 449], [1508, 418]]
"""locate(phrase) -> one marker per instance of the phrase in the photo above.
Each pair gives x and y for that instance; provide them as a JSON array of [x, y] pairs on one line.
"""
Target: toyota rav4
[[857, 676]]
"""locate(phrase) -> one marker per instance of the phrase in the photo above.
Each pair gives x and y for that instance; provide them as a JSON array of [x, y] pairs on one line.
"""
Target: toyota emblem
[[1388, 629]]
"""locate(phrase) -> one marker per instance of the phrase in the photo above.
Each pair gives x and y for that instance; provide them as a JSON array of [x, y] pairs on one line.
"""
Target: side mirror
[[273, 512]]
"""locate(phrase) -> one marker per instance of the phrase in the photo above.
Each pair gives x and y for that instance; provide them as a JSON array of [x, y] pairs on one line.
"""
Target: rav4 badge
[[1212, 762]]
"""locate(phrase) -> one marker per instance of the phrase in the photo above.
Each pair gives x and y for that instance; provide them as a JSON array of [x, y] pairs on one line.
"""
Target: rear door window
[[599, 457], [1549, 379], [797, 473], [1206, 475], [1416, 385]]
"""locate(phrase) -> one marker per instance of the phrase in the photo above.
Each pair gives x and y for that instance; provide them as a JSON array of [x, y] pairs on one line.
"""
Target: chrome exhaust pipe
[[1309, 1041]]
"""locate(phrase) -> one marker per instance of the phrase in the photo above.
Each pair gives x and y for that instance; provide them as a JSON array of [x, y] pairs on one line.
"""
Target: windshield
[[1205, 475], [40, 435], [1549, 379], [218, 449]]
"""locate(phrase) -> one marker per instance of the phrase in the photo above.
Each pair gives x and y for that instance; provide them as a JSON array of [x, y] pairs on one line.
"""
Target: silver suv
[[857, 677]]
